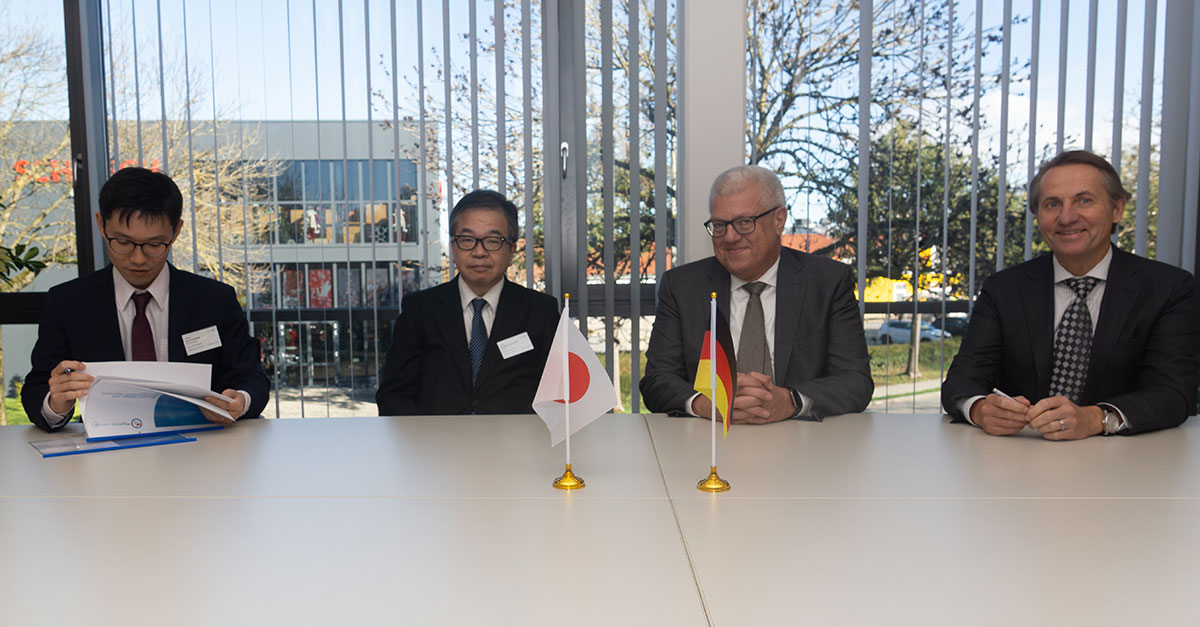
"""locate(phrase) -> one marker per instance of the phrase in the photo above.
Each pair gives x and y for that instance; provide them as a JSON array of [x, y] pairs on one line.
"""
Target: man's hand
[[759, 401], [703, 407], [1057, 418], [998, 415], [234, 408], [67, 387]]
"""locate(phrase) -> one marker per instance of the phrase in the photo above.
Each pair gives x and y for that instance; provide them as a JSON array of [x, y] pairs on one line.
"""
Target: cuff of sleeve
[[965, 408], [1120, 415], [54, 419], [687, 405], [806, 404], [245, 403]]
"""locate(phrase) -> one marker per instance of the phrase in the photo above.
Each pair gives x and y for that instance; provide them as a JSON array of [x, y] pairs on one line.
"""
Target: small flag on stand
[[725, 369], [591, 391], [716, 378]]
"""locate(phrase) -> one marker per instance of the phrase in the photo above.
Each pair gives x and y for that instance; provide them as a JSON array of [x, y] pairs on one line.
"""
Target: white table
[[908, 520], [417, 521], [860, 520]]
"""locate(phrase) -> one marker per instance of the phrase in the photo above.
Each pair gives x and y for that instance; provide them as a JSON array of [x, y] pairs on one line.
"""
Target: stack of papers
[[136, 398]]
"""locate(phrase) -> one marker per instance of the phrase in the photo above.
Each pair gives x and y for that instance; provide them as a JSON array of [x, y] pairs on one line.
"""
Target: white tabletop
[[859, 520], [910, 520], [484, 456]]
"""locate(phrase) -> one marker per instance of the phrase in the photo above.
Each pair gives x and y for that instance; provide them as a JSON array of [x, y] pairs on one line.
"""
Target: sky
[[258, 59]]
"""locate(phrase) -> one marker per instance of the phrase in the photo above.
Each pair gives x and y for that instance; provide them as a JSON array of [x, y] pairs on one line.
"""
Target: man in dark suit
[[1083, 341], [476, 344], [133, 310], [795, 322]]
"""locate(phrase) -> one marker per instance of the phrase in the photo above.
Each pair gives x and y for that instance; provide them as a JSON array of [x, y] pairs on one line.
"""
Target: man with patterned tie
[[1086, 340], [476, 344], [141, 313], [797, 331]]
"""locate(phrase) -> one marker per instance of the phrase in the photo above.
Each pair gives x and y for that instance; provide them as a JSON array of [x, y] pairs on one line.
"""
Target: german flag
[[726, 367]]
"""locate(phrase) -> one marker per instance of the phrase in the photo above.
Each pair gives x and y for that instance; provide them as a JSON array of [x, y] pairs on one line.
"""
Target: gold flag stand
[[714, 483], [568, 481]]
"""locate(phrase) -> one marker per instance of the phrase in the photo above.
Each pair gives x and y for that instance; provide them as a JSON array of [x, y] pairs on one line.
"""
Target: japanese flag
[[591, 393]]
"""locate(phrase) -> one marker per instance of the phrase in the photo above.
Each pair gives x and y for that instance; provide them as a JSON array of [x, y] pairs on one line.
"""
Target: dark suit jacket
[[80, 323], [428, 367], [1145, 353], [820, 348]]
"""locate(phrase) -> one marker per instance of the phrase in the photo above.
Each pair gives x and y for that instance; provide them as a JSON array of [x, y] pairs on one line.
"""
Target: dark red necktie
[[141, 339]]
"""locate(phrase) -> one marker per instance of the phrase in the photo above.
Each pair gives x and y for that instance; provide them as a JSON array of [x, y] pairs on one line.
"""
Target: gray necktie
[[753, 354], [1073, 342]]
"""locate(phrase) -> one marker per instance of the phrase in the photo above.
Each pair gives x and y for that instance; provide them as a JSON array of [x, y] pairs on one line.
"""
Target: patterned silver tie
[[1073, 342], [753, 354]]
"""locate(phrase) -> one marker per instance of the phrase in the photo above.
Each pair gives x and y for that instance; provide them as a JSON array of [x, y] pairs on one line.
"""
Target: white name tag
[[202, 340], [515, 345]]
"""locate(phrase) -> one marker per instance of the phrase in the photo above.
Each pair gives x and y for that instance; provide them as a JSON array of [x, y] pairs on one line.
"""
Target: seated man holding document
[[477, 343], [1086, 340], [142, 309]]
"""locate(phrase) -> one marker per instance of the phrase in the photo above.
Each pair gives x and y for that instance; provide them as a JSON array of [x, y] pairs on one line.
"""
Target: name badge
[[515, 345], [202, 340]]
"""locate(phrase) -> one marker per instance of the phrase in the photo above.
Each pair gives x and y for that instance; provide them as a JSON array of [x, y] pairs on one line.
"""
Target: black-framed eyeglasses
[[122, 246], [469, 242], [743, 226]]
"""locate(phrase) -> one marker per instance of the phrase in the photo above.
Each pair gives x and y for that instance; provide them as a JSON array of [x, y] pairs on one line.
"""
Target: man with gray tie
[[796, 326], [1086, 340]]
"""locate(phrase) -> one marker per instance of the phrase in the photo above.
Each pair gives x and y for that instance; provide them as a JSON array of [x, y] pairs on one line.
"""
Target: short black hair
[[486, 199], [144, 192]]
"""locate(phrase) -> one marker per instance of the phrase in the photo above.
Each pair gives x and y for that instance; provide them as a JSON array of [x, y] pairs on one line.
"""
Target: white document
[[130, 398], [197, 375]]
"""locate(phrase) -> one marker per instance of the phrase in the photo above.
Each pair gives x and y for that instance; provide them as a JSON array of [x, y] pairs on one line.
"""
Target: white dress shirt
[[156, 311], [1063, 297], [492, 296]]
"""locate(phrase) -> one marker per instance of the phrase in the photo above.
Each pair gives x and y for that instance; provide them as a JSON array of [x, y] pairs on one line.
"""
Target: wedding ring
[[1062, 426]]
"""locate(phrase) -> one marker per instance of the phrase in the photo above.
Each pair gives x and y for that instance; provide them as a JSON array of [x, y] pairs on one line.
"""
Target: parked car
[[954, 324], [900, 331]]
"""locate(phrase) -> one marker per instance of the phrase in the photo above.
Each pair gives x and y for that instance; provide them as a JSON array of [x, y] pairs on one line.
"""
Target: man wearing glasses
[[477, 343], [134, 311], [797, 331]]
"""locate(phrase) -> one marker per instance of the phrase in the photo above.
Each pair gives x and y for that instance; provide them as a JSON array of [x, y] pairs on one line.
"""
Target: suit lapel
[[179, 313], [1038, 299], [506, 323], [108, 328], [449, 315], [1120, 293], [791, 284]]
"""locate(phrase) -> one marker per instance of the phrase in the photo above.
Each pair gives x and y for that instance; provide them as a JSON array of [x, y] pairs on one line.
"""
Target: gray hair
[[737, 179]]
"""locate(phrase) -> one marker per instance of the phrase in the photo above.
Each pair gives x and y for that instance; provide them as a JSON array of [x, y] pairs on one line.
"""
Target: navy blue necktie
[[478, 339]]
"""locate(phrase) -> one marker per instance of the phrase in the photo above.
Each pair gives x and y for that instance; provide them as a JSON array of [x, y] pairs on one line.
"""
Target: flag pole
[[714, 482], [568, 480], [712, 372]]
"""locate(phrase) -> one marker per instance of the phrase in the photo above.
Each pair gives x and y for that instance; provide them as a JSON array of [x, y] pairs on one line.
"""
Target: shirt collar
[[492, 296], [1099, 271], [770, 277], [159, 289]]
